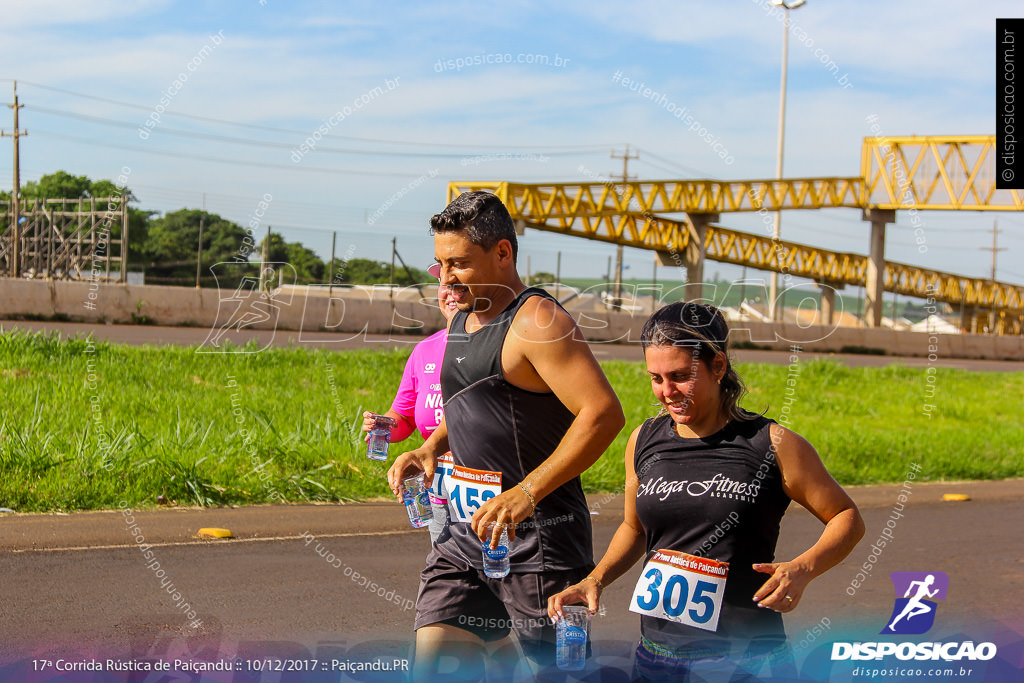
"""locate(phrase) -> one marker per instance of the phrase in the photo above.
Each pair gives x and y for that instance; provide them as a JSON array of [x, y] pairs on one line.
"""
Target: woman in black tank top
[[707, 484]]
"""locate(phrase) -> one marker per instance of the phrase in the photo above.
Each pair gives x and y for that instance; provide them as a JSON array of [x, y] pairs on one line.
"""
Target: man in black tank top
[[527, 410]]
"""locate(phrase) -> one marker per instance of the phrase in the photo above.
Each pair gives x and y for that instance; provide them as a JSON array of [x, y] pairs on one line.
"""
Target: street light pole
[[773, 291]]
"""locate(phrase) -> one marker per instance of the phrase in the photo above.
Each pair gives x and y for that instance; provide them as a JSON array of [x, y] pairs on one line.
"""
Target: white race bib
[[439, 487], [683, 588], [468, 489]]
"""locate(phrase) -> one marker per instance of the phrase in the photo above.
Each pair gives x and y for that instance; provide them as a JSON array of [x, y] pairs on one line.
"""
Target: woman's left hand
[[783, 590]]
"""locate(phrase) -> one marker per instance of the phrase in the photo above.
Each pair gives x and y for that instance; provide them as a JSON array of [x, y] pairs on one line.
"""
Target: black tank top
[[718, 497], [498, 427]]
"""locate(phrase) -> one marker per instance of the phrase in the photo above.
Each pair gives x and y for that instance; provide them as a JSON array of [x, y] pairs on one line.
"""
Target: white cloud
[[18, 14]]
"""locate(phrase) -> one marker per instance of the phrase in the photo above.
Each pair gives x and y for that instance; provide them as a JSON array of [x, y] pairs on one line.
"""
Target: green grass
[[868, 424], [88, 425]]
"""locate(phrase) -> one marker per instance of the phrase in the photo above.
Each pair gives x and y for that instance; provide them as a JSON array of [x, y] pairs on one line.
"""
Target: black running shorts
[[453, 592]]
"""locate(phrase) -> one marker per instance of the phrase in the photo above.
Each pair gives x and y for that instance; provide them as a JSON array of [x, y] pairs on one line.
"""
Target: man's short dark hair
[[483, 218]]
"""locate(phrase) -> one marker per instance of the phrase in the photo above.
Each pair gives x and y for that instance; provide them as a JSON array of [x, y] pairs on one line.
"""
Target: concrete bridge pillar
[[696, 252], [874, 285], [968, 319], [828, 301]]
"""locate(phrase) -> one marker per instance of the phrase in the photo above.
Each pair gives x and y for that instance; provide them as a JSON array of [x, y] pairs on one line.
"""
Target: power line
[[246, 199], [302, 133], [686, 169], [165, 130], [659, 166], [235, 162], [930, 246]]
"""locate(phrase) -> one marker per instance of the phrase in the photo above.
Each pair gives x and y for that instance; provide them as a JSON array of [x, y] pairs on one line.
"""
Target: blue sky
[[90, 74]]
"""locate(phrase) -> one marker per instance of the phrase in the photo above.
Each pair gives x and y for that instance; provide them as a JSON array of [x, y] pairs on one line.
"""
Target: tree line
[[165, 247]]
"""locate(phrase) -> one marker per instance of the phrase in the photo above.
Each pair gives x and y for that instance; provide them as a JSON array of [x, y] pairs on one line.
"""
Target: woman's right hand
[[586, 591], [368, 422]]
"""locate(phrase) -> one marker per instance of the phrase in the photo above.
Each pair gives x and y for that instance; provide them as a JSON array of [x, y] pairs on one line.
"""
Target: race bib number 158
[[683, 588], [468, 489]]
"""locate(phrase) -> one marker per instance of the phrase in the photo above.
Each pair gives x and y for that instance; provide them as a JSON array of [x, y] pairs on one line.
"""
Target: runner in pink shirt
[[417, 404], [419, 394]]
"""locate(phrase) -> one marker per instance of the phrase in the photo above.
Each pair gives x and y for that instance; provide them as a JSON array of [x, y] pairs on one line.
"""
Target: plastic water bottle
[[496, 564], [571, 638], [380, 438], [416, 497]]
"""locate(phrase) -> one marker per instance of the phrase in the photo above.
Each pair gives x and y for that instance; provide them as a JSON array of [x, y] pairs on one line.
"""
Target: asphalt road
[[195, 336], [79, 586]]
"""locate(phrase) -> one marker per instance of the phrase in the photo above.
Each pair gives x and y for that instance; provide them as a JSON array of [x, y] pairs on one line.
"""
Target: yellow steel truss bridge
[[897, 174]]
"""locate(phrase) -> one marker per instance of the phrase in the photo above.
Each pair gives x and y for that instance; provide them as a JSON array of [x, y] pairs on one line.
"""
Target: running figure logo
[[255, 301], [914, 613]]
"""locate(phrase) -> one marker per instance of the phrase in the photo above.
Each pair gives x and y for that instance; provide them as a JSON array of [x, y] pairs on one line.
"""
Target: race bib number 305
[[683, 588], [468, 489]]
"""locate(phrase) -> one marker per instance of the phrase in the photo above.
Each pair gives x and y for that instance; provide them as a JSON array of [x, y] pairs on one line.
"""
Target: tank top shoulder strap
[[504, 320], [470, 358], [645, 437], [757, 432]]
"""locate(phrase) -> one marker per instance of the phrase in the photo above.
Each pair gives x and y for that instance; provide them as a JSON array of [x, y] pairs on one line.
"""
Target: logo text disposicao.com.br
[[914, 610], [947, 652]]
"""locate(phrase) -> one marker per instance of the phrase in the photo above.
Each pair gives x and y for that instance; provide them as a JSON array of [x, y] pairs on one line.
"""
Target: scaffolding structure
[[67, 239]]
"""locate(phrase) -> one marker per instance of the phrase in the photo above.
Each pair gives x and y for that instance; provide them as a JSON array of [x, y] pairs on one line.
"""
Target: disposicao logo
[[914, 612]]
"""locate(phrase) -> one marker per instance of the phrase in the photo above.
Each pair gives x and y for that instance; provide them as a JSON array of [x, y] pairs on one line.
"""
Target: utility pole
[[743, 290], [558, 273], [654, 284], [617, 300], [391, 282], [994, 248], [329, 271], [263, 284], [16, 193], [199, 255]]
